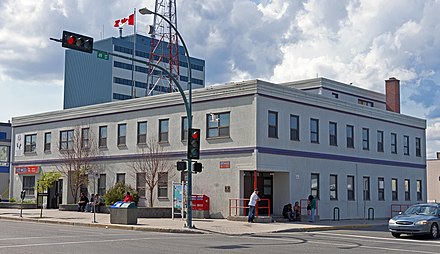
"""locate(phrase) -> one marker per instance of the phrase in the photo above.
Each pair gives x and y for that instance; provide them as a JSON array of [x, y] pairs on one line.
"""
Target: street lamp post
[[146, 11]]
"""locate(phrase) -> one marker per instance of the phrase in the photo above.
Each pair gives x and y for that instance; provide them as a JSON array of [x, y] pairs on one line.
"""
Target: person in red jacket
[[128, 198]]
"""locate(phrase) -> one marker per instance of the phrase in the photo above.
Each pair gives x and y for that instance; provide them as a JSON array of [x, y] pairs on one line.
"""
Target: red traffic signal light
[[77, 42], [193, 143]]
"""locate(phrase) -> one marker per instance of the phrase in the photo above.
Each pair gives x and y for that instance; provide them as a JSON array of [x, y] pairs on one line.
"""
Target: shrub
[[12, 200], [117, 193]]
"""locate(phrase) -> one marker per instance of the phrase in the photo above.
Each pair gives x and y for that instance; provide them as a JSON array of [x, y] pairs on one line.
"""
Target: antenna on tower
[[164, 48]]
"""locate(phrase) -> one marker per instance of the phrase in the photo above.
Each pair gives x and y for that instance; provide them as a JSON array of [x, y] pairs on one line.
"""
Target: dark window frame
[[394, 189], [380, 144], [333, 133], [272, 129], [30, 143], [381, 190], [366, 139], [29, 185], [418, 147], [218, 125], [103, 134], [351, 189], [407, 189], [85, 137], [294, 128], [349, 130], [419, 190], [367, 188], [164, 129], [333, 188], [314, 130], [314, 190], [162, 185], [393, 143], [47, 141], [405, 145], [141, 136], [122, 134], [66, 141]]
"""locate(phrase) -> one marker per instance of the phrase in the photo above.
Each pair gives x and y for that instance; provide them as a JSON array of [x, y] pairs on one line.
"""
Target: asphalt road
[[25, 237]]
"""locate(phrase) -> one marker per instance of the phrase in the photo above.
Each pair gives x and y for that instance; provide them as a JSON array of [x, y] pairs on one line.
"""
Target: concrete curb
[[327, 228]]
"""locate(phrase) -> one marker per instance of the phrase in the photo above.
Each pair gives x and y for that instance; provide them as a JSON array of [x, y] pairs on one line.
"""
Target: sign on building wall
[[225, 164], [19, 145], [27, 170]]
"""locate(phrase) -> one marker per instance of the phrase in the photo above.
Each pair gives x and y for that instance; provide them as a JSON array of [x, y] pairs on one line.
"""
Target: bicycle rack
[[336, 209]]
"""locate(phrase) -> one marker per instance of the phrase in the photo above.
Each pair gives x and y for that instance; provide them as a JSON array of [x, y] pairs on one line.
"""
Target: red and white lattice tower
[[164, 49]]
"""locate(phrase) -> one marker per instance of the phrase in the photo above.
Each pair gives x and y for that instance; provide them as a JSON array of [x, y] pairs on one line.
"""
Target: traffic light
[[181, 165], [197, 167], [77, 42], [194, 144]]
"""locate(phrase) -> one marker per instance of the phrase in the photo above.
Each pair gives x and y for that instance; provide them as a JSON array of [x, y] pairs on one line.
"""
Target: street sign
[[102, 55]]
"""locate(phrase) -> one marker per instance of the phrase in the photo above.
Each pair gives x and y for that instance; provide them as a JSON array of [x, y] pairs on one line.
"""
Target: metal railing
[[238, 204]]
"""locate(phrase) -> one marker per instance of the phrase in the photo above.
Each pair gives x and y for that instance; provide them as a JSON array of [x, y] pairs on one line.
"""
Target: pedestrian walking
[[252, 203], [312, 204]]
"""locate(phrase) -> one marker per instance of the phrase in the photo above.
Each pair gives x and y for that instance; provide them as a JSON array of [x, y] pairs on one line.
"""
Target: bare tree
[[152, 161], [78, 149]]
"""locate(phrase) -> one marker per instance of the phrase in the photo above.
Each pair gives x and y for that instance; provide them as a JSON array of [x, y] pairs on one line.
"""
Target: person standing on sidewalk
[[252, 203], [312, 204]]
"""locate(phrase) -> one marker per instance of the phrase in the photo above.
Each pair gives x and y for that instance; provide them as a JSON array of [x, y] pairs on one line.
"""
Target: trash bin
[[123, 213]]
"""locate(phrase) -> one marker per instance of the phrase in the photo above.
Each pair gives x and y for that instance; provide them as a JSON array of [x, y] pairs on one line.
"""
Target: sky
[[363, 42]]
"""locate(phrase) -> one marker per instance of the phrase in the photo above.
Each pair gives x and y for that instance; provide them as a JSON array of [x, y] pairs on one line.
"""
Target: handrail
[[242, 203]]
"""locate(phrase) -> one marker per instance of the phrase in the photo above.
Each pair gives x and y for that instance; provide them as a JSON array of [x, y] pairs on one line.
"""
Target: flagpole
[[133, 90]]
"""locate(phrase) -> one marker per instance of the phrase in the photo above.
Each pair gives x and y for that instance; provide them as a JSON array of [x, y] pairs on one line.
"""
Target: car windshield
[[423, 210]]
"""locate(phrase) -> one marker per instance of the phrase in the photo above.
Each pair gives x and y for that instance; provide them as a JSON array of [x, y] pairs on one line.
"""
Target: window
[[29, 185], [294, 127], [30, 143], [122, 134], [418, 148], [335, 95], [314, 185], [273, 124], [140, 184], [2, 135], [405, 145], [366, 103], [407, 190], [350, 187], [394, 194], [380, 141], [350, 136], [419, 190], [66, 140], [366, 181], [162, 185], [314, 130], [381, 188], [4, 156], [102, 181], [85, 138], [184, 128], [365, 139], [218, 125], [333, 133], [120, 178], [142, 132], [393, 143], [47, 141], [333, 187], [163, 130], [102, 136]]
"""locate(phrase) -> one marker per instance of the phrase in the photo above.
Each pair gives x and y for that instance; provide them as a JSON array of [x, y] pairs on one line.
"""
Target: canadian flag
[[122, 22]]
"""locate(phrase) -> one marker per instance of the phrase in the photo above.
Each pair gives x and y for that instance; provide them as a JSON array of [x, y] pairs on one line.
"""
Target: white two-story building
[[349, 147]]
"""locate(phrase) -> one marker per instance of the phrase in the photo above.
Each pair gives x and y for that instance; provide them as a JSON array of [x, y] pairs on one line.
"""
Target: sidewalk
[[217, 226]]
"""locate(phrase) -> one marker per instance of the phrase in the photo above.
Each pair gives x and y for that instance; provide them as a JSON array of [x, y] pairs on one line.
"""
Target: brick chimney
[[392, 92]]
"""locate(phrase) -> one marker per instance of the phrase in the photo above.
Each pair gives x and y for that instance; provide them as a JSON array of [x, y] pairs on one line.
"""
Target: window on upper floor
[[142, 132], [405, 145], [335, 95], [184, 128], [163, 130], [122, 134], [380, 141], [102, 136], [333, 133], [365, 139], [418, 147], [2, 135], [85, 138], [350, 136], [218, 125], [294, 127], [366, 103], [314, 130], [30, 143], [120, 178], [273, 124], [66, 140], [4, 155], [393, 143], [47, 141]]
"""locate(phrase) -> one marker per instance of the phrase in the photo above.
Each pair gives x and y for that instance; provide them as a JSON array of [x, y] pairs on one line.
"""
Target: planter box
[[17, 205], [126, 216]]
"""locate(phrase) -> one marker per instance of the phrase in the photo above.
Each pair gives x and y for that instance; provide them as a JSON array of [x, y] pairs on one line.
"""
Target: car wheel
[[396, 235], [434, 231]]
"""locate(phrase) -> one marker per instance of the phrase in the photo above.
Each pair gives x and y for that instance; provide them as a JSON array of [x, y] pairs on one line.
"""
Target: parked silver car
[[417, 220]]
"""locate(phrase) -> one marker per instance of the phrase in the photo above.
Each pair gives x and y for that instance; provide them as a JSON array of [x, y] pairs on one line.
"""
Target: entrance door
[[54, 195], [264, 185]]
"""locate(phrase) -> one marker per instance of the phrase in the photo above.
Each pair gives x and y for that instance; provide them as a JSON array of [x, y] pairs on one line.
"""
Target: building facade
[[320, 137], [5, 148], [433, 177], [91, 78]]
